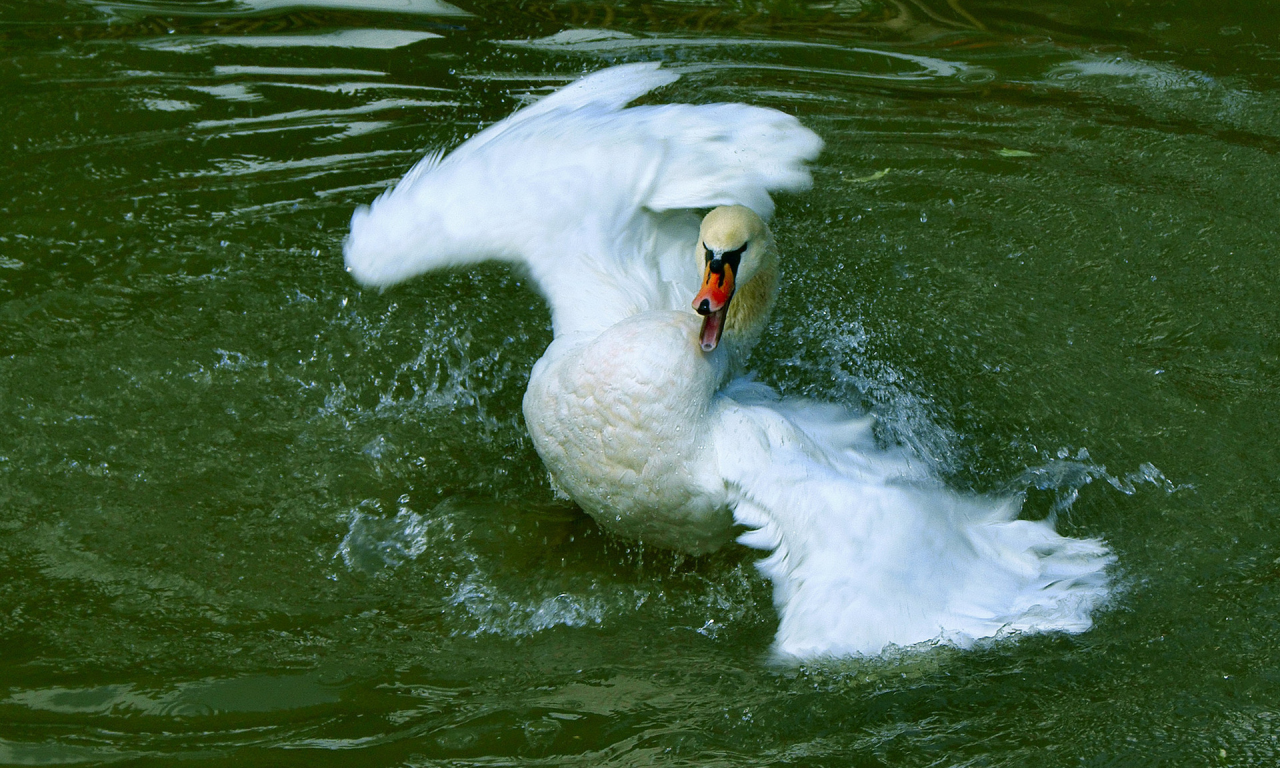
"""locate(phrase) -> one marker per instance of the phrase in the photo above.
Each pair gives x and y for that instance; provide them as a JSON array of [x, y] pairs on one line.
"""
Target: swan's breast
[[621, 423]]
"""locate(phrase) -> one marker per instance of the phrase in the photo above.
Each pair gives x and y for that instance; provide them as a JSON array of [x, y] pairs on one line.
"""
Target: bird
[[642, 407]]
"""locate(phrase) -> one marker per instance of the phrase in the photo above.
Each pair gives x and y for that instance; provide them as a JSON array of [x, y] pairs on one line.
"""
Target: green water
[[253, 515]]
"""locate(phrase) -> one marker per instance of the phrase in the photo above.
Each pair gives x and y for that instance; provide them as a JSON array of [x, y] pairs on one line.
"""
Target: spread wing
[[592, 197], [869, 551]]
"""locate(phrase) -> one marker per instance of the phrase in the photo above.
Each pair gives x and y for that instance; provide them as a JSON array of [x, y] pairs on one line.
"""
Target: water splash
[[443, 375], [515, 577], [375, 543], [850, 374], [1065, 477], [492, 612]]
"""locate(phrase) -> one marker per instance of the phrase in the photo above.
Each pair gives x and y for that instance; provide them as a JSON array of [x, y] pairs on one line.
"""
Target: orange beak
[[712, 302]]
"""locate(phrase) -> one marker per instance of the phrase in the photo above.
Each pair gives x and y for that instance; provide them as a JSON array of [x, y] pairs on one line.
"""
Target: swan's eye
[[734, 257], [716, 263]]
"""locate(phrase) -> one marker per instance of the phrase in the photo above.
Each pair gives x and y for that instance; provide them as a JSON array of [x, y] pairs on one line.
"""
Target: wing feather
[[868, 551], [592, 197]]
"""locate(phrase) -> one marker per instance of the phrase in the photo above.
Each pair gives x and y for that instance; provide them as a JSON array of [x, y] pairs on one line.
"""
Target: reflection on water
[[245, 505], [376, 39], [203, 698], [244, 7]]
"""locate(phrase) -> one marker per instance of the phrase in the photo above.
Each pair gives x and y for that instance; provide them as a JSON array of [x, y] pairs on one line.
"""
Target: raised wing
[[868, 551], [592, 197]]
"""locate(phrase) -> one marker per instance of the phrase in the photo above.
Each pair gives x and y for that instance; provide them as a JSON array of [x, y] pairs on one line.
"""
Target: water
[[251, 514]]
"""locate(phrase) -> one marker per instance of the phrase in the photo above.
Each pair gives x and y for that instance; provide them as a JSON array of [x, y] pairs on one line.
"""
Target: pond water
[[251, 514]]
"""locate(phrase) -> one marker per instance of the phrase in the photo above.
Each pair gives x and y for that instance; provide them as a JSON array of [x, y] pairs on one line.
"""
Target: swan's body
[[638, 458], [659, 439]]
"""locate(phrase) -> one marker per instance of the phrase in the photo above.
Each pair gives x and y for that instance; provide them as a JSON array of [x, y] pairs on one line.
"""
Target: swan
[[641, 407]]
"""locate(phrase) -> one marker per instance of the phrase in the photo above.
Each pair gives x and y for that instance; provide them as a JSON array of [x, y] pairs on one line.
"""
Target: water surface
[[251, 514]]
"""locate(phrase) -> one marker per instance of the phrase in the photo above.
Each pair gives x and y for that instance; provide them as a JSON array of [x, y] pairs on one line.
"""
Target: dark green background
[[253, 515]]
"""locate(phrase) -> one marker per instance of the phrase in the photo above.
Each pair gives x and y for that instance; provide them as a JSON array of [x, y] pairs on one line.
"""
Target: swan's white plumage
[[653, 437]]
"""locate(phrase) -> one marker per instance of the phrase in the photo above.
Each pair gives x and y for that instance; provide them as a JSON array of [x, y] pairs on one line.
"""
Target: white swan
[[638, 408]]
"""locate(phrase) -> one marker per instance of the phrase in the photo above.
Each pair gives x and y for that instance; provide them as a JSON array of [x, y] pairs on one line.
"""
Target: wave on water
[[495, 613], [857, 63], [848, 372], [1126, 71]]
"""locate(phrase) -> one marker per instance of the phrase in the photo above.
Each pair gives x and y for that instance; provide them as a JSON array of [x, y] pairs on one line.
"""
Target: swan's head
[[734, 246]]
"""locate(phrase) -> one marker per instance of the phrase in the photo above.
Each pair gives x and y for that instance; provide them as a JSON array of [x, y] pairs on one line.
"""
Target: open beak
[[712, 302]]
